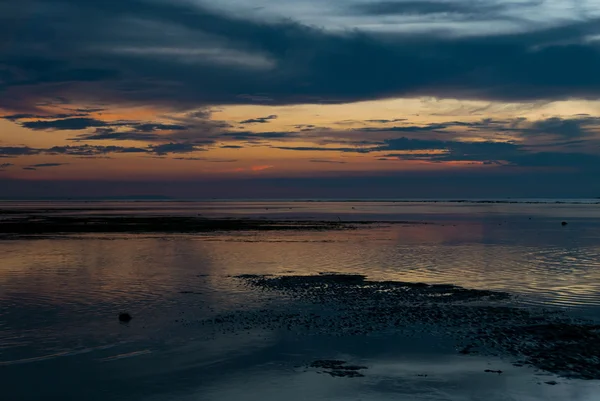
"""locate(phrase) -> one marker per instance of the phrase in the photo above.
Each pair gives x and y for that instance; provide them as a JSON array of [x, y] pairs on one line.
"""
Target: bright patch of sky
[[457, 17]]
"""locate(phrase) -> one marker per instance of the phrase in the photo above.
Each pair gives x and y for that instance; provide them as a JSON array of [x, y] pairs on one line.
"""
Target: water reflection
[[59, 300]]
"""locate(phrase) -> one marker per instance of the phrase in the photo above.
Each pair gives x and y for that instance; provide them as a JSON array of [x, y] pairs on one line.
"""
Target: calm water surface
[[59, 297]]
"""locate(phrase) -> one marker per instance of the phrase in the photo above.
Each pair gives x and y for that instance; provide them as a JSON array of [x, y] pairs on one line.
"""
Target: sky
[[300, 99]]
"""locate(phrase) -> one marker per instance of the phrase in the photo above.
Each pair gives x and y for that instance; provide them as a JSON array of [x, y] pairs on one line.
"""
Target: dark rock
[[355, 305], [327, 364], [466, 350], [564, 223], [344, 373], [338, 368], [125, 317]]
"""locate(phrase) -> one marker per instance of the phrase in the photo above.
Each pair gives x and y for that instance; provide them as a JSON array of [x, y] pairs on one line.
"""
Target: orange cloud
[[260, 168]]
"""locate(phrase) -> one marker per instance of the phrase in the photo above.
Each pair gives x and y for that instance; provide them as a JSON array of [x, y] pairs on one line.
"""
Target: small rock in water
[[338, 368], [564, 223], [125, 317]]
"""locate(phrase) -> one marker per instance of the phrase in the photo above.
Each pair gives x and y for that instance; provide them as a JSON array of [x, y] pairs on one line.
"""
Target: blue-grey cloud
[[350, 149], [42, 165], [64, 124], [248, 136], [386, 8], [93, 150], [217, 58], [566, 128], [103, 134], [90, 150], [167, 148], [17, 117], [259, 120], [150, 127], [386, 121], [13, 151]]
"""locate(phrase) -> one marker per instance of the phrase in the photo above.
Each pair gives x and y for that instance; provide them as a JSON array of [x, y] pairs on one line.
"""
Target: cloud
[[232, 147], [5, 165], [261, 167], [150, 127], [215, 57], [386, 121], [327, 161], [259, 120], [355, 149], [102, 134], [43, 165], [387, 8], [174, 148], [246, 136], [92, 150], [64, 124], [16, 117], [565, 128], [13, 151]]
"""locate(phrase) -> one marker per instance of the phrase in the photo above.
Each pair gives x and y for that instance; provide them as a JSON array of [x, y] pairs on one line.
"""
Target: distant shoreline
[[576, 201]]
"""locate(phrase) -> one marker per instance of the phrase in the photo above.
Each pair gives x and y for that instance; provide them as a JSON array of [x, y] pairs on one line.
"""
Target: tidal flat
[[324, 301]]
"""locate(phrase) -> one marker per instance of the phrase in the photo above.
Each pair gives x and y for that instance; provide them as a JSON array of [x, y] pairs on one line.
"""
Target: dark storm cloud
[[64, 124], [62, 49], [259, 120]]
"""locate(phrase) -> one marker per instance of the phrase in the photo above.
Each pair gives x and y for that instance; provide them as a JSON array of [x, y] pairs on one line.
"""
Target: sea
[[190, 337]]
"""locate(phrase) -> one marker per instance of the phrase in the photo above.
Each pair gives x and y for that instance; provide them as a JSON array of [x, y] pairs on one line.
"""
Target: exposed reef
[[481, 322], [39, 225]]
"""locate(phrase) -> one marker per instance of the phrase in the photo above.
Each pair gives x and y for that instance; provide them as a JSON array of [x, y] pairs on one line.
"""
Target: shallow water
[[60, 296]]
